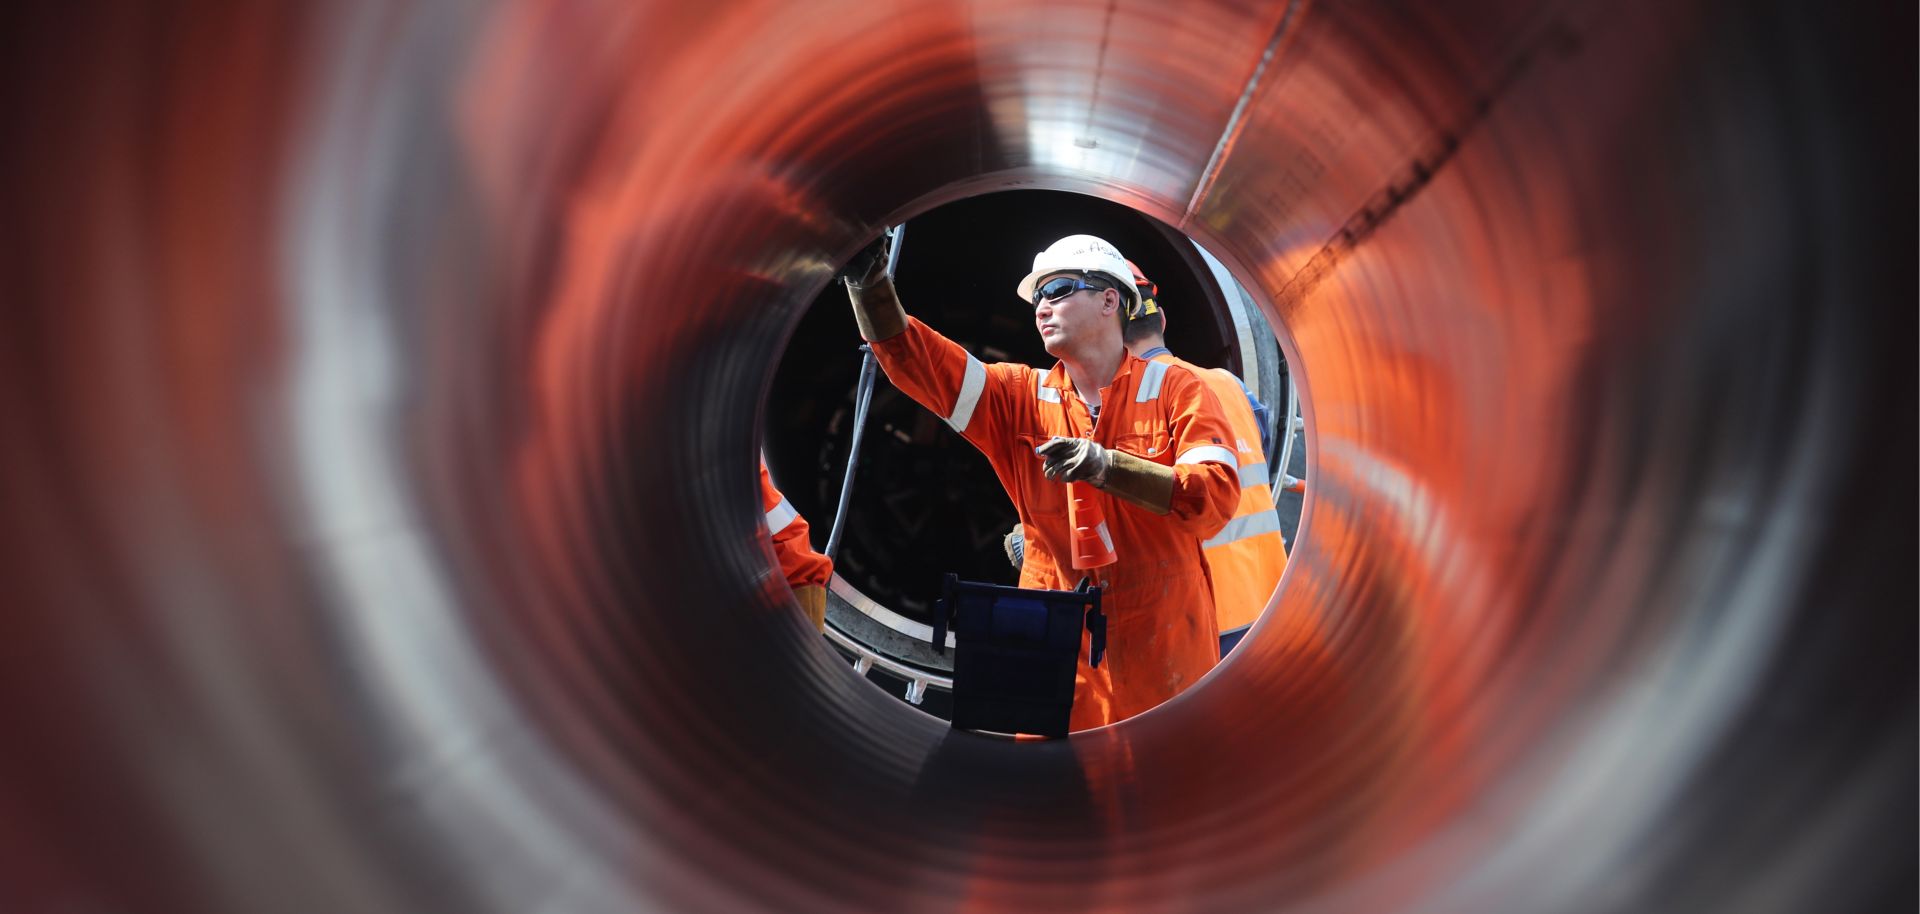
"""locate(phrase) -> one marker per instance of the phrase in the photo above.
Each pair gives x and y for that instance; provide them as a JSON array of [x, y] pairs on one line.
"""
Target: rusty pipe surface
[[381, 386]]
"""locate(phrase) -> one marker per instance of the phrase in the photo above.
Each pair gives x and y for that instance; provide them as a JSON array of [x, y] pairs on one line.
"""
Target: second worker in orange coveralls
[[806, 571], [1248, 555], [1149, 437]]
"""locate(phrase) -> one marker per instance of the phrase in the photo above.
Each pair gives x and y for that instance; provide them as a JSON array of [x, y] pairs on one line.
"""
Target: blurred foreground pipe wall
[[380, 390]]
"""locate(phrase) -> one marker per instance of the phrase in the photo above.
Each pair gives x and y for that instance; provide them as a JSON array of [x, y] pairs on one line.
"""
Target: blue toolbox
[[1015, 653]]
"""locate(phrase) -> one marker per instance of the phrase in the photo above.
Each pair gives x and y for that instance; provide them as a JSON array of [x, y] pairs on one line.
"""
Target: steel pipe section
[[381, 394]]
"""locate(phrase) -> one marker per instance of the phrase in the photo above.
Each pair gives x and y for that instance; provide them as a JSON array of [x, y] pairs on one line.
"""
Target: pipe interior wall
[[381, 390]]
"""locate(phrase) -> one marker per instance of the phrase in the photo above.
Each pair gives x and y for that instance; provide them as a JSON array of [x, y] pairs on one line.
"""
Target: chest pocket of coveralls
[[1147, 437], [1152, 445], [1146, 434]]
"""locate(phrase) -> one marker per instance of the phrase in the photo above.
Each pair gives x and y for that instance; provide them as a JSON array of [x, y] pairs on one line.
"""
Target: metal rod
[[863, 395], [1283, 480], [1281, 452], [899, 234]]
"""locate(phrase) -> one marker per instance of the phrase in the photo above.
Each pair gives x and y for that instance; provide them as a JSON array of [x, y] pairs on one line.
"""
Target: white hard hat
[[1083, 254]]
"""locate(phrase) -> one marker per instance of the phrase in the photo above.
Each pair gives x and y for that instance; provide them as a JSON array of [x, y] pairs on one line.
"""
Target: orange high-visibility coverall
[[1247, 556], [1161, 631], [793, 545]]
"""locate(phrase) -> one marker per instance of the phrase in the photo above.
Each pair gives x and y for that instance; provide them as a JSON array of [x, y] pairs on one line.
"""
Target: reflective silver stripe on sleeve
[[781, 515], [1150, 381], [1209, 453], [1241, 528], [970, 388], [1253, 474], [1041, 390], [1106, 539]]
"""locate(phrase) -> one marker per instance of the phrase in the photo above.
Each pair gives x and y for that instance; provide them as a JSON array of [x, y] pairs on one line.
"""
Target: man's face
[[1074, 318]]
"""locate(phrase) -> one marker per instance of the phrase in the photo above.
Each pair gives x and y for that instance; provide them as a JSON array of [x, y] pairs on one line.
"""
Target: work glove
[[1131, 479], [876, 309], [1016, 545], [876, 306], [1074, 460], [867, 264], [1139, 481]]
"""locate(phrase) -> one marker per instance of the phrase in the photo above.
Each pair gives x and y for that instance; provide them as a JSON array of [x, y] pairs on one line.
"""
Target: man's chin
[[1053, 346]]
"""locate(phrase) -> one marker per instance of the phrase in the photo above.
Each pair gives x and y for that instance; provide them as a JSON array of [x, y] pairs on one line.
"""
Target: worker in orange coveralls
[[1247, 556], [807, 571], [1148, 440]]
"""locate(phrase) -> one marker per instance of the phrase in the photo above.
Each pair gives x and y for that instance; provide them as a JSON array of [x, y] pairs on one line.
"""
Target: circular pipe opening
[[926, 502]]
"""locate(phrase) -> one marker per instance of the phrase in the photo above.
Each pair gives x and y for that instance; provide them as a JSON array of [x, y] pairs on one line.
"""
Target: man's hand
[[1015, 542], [866, 265], [1075, 460]]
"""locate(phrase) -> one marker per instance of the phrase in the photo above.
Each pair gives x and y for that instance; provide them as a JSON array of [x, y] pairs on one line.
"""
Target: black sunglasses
[[1060, 287]]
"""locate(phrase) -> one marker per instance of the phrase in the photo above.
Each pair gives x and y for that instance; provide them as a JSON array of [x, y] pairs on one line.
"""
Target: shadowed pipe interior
[[381, 398]]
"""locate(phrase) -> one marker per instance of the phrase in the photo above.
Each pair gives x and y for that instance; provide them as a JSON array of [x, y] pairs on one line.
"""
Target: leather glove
[[1016, 545], [1139, 481], [1075, 460], [876, 309], [813, 602], [876, 306]]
